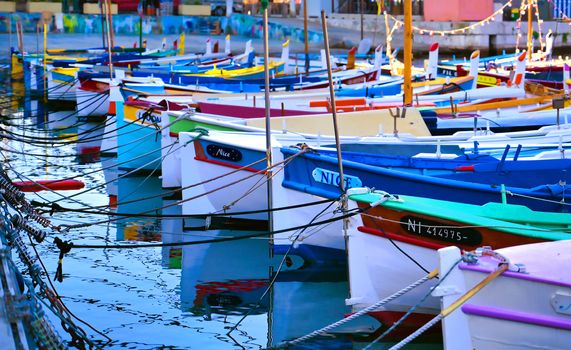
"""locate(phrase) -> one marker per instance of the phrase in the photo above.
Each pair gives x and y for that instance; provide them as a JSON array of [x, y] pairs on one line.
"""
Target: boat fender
[[53, 185], [358, 190], [517, 268]]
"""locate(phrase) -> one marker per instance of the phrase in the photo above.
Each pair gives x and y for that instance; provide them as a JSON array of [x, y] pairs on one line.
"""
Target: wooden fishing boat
[[394, 241], [300, 183], [309, 178], [526, 307], [460, 186], [138, 144], [354, 124], [62, 83]]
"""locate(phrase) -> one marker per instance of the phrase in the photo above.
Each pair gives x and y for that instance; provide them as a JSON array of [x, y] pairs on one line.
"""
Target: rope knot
[[55, 208], [147, 114], [64, 248], [201, 131], [304, 147], [470, 258]]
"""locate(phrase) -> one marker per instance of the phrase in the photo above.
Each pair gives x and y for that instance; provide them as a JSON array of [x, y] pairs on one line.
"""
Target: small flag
[[181, 39], [265, 4], [380, 6]]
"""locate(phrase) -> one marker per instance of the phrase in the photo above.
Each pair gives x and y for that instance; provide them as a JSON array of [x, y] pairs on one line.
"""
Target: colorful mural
[[237, 24], [249, 26]]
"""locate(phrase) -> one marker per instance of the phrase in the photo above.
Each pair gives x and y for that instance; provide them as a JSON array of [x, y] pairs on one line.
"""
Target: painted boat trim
[[404, 239], [522, 276], [517, 316]]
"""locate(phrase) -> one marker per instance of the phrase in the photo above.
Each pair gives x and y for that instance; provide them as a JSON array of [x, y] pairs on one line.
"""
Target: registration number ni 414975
[[440, 231]]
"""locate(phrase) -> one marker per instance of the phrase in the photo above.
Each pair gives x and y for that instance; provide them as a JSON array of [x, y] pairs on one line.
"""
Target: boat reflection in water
[[139, 195], [227, 278], [90, 134], [222, 282]]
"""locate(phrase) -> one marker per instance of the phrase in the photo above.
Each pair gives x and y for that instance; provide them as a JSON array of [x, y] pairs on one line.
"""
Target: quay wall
[[237, 24], [344, 30]]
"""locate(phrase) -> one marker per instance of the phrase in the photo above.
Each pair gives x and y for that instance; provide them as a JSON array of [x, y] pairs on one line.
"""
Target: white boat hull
[[517, 310], [90, 103], [378, 269]]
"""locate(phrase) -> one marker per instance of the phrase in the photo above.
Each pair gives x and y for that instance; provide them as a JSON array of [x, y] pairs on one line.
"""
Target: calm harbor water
[[175, 297]]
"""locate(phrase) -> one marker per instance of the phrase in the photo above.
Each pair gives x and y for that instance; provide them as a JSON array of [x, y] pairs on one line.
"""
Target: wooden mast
[[109, 42], [333, 104], [267, 113], [362, 10], [407, 86], [45, 77], [110, 20]]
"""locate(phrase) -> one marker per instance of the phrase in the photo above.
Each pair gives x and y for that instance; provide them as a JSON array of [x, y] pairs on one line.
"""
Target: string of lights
[[431, 32], [518, 34], [525, 6]]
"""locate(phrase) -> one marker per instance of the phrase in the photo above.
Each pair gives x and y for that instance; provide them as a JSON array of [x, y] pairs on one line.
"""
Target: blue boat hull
[[318, 175], [138, 146]]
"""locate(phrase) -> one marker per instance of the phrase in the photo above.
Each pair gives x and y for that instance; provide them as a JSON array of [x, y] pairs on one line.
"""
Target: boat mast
[[110, 20], [103, 19], [109, 42], [333, 105], [362, 10], [269, 172], [407, 86], [45, 77], [267, 114]]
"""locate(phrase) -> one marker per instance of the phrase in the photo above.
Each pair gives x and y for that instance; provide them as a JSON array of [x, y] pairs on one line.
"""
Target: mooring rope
[[56, 208], [276, 274], [67, 227], [465, 297], [208, 241], [76, 111], [361, 312]]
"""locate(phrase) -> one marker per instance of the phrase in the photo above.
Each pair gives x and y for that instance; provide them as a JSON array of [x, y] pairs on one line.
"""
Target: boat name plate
[[146, 117], [332, 178], [225, 153], [440, 231]]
